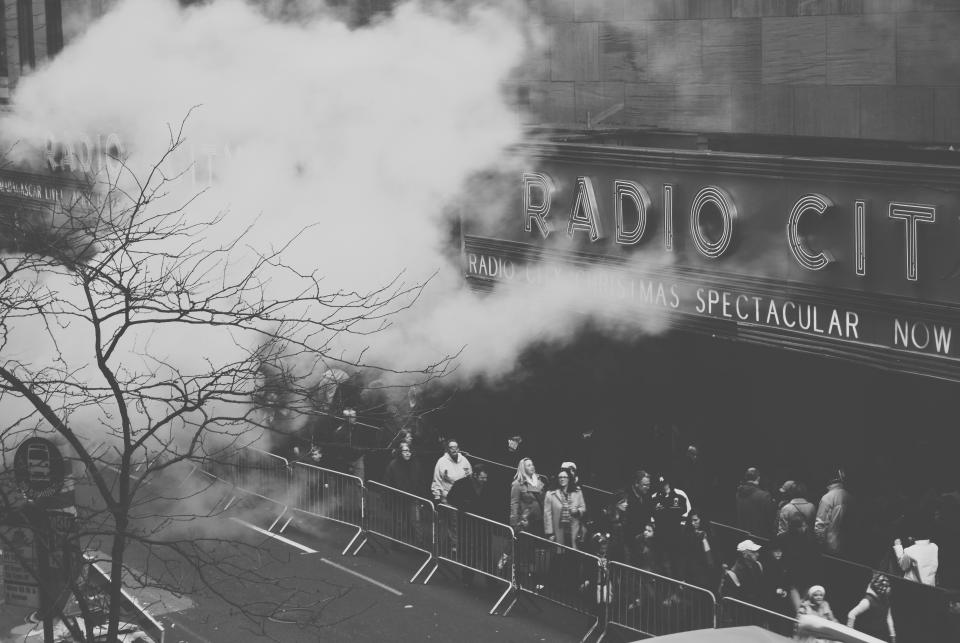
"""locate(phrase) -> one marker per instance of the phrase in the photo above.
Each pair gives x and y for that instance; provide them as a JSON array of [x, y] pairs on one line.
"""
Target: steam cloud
[[364, 138]]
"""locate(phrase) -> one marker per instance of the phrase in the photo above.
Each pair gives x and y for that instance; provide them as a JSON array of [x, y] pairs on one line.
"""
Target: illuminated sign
[[857, 258], [538, 199]]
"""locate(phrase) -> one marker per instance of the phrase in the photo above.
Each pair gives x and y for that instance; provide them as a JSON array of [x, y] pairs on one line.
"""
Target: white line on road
[[292, 543], [175, 626], [359, 575], [307, 550]]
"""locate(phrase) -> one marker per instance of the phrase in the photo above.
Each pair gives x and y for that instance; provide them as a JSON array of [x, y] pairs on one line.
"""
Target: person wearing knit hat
[[815, 604]]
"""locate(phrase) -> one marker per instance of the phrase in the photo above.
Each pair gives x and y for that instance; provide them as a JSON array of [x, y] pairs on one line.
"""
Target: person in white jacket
[[451, 467], [919, 561]]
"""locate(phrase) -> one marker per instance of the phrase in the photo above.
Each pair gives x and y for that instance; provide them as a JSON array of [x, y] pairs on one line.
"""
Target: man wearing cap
[[744, 581], [792, 496], [755, 508]]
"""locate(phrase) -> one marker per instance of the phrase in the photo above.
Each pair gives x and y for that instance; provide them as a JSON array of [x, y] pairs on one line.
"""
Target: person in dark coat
[[801, 555], [779, 594], [638, 514], [611, 526], [744, 581], [692, 476], [699, 564], [669, 510], [405, 473], [755, 508], [473, 495]]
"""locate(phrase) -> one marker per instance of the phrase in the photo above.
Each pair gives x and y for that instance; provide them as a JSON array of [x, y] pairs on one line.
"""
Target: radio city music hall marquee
[[607, 215]]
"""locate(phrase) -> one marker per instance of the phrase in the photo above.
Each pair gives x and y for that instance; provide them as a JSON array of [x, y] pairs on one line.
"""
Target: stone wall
[[866, 69]]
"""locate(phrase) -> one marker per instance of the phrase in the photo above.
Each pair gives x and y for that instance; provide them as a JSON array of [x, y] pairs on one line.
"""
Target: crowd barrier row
[[611, 593]]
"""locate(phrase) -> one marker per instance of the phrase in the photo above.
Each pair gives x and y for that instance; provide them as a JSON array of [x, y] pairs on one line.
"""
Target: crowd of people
[[655, 525], [658, 521]]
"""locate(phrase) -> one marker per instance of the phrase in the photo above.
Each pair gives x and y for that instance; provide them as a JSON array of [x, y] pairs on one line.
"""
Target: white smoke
[[363, 139]]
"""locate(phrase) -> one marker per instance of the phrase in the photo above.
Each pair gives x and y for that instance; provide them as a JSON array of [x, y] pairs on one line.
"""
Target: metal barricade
[[328, 494], [656, 605], [253, 472], [560, 574], [477, 544], [263, 474], [401, 517], [735, 613]]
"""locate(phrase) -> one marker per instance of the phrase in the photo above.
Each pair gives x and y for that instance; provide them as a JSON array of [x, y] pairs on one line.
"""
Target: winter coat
[[755, 510], [800, 506], [405, 475], [552, 513], [639, 512], [744, 582], [832, 519], [446, 472], [465, 496], [526, 504]]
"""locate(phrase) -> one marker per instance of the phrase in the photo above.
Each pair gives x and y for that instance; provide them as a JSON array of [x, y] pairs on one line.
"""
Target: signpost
[[38, 469]]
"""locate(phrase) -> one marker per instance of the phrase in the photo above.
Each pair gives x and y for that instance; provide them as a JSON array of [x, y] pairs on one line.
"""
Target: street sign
[[38, 468]]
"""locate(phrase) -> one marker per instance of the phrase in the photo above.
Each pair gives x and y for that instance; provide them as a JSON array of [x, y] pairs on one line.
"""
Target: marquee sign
[[853, 258]]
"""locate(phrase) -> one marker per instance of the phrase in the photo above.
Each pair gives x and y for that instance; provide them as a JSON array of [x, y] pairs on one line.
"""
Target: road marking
[[359, 575], [174, 626], [292, 543], [307, 550]]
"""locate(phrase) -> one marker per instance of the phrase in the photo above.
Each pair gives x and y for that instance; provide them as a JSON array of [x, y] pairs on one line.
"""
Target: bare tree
[[106, 279]]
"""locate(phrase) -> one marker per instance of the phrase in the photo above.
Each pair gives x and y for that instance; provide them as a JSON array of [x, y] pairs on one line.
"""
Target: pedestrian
[[872, 614], [918, 561], [470, 495], [612, 524], [693, 476], [450, 467], [563, 509], [801, 554], [670, 506], [815, 604], [699, 565], [648, 554], [755, 509], [404, 472], [832, 524], [526, 499], [780, 595], [793, 501], [638, 514], [744, 581]]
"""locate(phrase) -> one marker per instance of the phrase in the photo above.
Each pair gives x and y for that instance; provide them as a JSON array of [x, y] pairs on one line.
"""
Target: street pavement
[[299, 587], [367, 598]]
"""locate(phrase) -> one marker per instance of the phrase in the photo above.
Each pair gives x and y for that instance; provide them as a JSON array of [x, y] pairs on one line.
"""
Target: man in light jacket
[[832, 520], [451, 467]]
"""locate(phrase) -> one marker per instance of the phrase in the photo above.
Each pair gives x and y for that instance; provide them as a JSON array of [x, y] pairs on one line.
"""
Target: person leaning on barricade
[[638, 514], [405, 472], [450, 467], [699, 567], [744, 581], [563, 509], [526, 499], [471, 495]]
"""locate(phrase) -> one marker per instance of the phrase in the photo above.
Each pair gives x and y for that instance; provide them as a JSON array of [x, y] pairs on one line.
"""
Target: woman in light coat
[[563, 508]]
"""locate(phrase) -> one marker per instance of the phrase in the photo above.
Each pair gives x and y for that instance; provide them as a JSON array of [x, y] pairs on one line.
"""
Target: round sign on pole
[[38, 468]]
